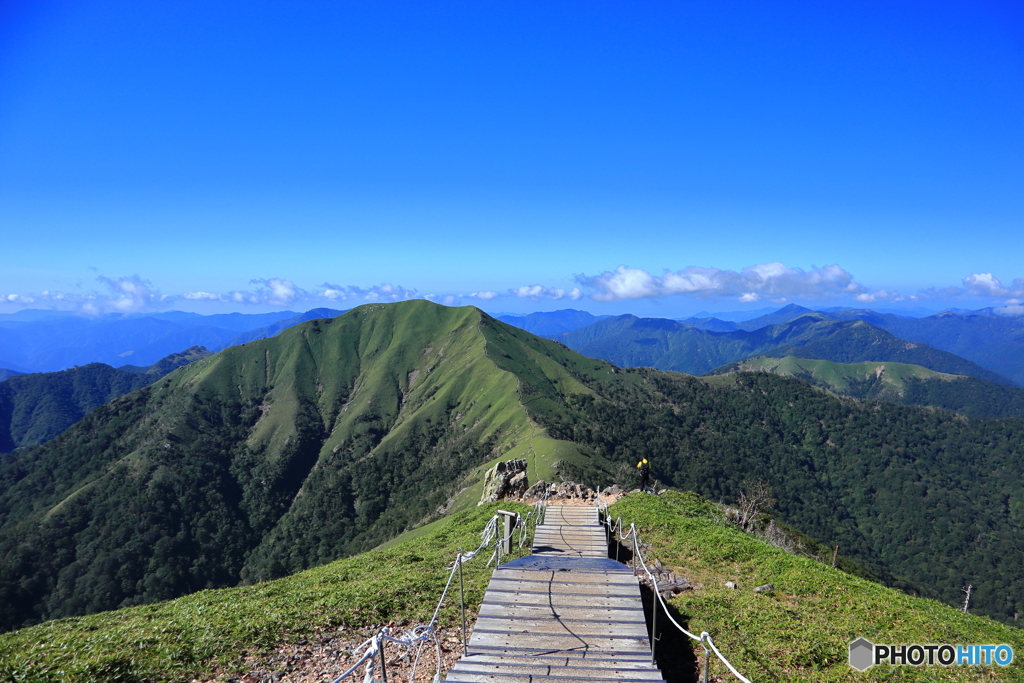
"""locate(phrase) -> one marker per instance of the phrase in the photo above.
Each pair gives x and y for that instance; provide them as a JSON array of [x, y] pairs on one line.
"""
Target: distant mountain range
[[993, 341], [33, 342], [550, 323], [339, 434], [37, 407], [629, 341]]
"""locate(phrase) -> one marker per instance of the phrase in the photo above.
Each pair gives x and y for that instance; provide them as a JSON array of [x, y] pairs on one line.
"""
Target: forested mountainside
[[37, 407], [335, 435], [629, 341], [895, 382]]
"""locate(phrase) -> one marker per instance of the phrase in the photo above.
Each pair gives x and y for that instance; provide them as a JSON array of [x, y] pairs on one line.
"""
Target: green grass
[[801, 631], [211, 630]]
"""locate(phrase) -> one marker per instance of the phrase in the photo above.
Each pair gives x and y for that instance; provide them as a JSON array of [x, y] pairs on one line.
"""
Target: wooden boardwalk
[[565, 613]]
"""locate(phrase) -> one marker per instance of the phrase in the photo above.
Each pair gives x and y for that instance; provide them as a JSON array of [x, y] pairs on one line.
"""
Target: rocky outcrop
[[505, 480]]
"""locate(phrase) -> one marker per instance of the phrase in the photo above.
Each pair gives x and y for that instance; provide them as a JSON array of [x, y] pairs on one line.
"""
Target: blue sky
[[657, 158]]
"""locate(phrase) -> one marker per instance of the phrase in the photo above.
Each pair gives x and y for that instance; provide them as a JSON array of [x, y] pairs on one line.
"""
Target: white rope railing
[[420, 636], [704, 638]]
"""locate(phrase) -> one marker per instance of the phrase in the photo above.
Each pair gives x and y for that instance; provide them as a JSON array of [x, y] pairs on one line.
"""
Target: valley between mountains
[[338, 434]]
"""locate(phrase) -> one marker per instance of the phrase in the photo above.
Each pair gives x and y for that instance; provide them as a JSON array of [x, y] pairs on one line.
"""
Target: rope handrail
[[374, 646], [704, 637]]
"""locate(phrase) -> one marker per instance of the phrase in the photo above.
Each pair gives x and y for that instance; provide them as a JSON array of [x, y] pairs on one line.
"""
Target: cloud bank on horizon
[[772, 282]]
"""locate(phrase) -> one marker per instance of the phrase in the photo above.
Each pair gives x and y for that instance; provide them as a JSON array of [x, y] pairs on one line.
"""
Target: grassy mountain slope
[[336, 435], [801, 630], [37, 407], [214, 629], [896, 382], [274, 456], [667, 345]]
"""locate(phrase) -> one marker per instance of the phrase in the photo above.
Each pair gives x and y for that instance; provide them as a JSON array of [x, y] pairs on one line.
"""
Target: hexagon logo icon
[[862, 654]]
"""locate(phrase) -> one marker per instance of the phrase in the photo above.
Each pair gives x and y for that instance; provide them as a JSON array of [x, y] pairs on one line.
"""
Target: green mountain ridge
[[896, 382], [336, 435], [36, 407], [273, 456], [663, 344]]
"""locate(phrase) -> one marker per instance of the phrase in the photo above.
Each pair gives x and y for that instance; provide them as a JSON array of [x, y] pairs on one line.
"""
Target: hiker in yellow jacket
[[645, 473]]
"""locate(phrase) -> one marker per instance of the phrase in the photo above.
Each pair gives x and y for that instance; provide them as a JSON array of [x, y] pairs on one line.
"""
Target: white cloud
[[1011, 309], [127, 295], [553, 294], [879, 295], [774, 281], [384, 292], [276, 291], [484, 295], [984, 284], [201, 296]]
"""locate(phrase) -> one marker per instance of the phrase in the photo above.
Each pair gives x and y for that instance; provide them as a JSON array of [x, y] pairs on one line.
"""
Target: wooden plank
[[638, 662], [533, 575], [625, 590], [527, 668], [557, 600], [581, 654], [623, 615], [538, 641], [557, 626], [458, 677]]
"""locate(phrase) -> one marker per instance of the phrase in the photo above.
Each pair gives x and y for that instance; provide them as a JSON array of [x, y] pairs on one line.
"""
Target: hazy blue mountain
[[277, 327], [39, 343], [991, 340], [779, 317], [710, 324], [36, 407], [5, 373], [32, 315], [550, 323], [664, 344], [734, 316]]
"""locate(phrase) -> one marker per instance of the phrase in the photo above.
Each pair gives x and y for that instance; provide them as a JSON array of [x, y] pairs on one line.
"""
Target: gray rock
[[498, 481], [767, 588], [730, 584]]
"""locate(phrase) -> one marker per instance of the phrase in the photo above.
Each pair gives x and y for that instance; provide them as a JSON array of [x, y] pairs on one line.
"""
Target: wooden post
[[707, 664], [383, 665], [462, 605], [835, 554], [654, 619], [507, 542]]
